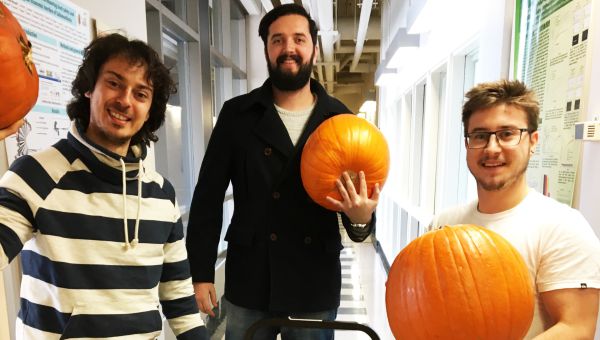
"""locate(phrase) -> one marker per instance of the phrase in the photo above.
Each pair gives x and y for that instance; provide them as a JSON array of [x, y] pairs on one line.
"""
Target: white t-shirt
[[556, 242]]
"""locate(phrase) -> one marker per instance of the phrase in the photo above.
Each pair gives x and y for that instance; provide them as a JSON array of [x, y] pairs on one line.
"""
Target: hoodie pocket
[[114, 319]]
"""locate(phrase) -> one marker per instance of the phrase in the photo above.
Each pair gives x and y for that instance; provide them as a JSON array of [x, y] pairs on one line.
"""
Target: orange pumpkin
[[341, 143], [19, 85], [459, 282]]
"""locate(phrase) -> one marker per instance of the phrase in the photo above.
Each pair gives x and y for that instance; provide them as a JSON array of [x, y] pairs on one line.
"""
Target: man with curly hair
[[99, 232]]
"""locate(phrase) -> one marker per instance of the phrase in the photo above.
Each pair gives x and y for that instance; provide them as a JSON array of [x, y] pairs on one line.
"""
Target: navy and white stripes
[[62, 208]]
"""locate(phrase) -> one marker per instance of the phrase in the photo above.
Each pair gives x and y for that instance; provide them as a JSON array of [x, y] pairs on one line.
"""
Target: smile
[[492, 164], [118, 116]]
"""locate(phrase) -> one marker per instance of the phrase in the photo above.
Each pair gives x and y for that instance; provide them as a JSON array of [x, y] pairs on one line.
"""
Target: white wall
[[587, 188], [128, 16], [256, 65], [459, 27], [587, 191]]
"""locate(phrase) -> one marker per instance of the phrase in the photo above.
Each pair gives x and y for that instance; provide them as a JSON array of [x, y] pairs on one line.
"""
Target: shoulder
[[554, 211], [44, 161], [152, 176], [243, 102], [335, 105], [459, 214], [332, 104]]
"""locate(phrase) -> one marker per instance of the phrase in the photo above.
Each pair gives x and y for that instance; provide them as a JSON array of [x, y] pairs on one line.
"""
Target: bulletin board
[[58, 31], [550, 48]]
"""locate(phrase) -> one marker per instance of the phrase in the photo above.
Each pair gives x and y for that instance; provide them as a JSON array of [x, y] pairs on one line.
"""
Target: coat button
[[276, 195], [273, 237], [268, 151], [307, 240]]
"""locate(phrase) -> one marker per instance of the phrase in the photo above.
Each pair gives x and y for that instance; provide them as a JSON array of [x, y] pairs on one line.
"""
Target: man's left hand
[[356, 205]]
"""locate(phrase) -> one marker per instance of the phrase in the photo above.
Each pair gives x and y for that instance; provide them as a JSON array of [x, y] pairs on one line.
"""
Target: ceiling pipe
[[324, 19], [363, 26], [251, 6], [267, 5]]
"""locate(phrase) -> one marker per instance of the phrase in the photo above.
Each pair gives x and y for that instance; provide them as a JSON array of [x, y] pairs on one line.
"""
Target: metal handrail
[[306, 323]]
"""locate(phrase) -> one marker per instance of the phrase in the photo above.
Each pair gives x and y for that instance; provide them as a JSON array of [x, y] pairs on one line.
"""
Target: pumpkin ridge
[[453, 245], [517, 257], [408, 320], [468, 236], [437, 273], [420, 329], [506, 288]]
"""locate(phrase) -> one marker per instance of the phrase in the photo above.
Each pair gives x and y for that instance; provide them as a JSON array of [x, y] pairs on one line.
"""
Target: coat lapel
[[270, 128]]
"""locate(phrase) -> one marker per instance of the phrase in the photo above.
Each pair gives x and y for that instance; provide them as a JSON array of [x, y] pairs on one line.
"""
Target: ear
[[534, 137], [88, 94], [316, 53]]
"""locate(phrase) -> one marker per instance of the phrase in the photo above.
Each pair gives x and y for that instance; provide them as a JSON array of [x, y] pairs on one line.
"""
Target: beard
[[494, 185], [287, 81]]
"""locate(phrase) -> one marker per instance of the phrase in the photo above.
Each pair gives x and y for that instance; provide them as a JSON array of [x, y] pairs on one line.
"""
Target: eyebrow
[[503, 127], [139, 86], [299, 34]]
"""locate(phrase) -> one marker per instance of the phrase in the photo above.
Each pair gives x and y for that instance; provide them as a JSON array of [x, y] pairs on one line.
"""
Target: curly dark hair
[[509, 92], [279, 11], [96, 54]]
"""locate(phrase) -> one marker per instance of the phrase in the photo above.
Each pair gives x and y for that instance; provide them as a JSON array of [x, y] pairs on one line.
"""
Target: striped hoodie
[[101, 243]]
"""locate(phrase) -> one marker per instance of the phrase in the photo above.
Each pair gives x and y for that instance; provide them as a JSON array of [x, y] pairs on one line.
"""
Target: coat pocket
[[240, 234]]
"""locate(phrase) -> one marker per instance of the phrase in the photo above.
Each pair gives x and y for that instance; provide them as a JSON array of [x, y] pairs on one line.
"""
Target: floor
[[363, 291]]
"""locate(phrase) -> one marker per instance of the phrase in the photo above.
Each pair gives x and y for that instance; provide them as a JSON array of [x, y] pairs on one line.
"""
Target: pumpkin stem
[[27, 53], [354, 177]]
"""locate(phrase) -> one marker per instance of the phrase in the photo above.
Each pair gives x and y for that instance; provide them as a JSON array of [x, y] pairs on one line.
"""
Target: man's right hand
[[9, 130], [206, 297]]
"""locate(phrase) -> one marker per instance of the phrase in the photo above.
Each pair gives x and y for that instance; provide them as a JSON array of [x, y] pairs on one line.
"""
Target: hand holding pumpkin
[[358, 206], [20, 83], [342, 147], [11, 129]]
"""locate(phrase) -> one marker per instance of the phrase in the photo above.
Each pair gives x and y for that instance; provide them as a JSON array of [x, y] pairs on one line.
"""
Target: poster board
[[59, 31], [550, 53]]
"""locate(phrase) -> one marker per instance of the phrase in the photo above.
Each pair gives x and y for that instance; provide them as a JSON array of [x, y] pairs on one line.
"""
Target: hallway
[[363, 290]]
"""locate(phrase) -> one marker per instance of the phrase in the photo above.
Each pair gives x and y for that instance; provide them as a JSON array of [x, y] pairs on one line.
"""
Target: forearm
[[181, 312], [563, 330]]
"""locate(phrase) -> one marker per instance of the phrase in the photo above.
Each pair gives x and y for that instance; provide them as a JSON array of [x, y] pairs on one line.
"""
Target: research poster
[[551, 48], [58, 31]]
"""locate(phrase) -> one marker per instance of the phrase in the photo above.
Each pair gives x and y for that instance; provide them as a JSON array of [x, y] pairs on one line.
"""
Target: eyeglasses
[[504, 137]]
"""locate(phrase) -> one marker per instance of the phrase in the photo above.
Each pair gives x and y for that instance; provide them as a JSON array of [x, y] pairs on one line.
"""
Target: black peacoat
[[283, 250]]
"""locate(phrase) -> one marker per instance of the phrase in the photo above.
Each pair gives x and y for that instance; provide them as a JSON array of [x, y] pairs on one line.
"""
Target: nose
[[289, 46], [124, 98], [493, 145]]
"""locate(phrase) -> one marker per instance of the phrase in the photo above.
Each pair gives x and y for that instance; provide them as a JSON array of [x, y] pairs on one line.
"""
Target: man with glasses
[[558, 245]]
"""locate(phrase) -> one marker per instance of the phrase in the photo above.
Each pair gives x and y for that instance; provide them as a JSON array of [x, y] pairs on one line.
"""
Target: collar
[[105, 163], [324, 103]]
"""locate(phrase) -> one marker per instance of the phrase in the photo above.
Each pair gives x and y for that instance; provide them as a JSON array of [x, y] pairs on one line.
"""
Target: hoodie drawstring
[[135, 240]]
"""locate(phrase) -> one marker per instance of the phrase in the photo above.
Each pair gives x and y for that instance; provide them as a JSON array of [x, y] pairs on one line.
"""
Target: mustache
[[119, 108], [282, 58]]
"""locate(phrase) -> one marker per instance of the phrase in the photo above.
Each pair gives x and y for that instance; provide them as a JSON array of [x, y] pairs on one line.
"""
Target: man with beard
[[283, 256], [558, 245]]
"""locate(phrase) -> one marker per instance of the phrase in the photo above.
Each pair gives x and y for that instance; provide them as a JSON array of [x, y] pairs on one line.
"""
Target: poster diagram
[[552, 46], [58, 31]]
